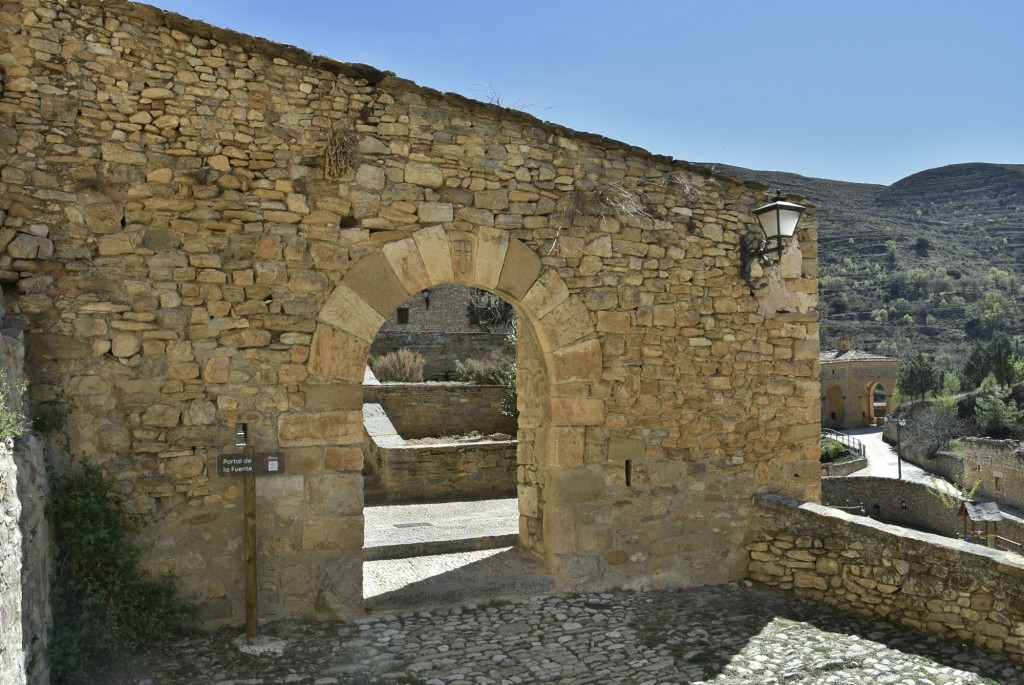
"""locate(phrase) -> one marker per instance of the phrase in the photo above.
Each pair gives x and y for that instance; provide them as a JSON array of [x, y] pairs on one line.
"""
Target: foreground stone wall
[[430, 410], [947, 587], [12, 663], [206, 229], [24, 531]]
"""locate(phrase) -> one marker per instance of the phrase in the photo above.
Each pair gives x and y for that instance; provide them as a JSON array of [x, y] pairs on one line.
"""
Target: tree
[[996, 417], [1000, 357], [919, 377], [931, 428]]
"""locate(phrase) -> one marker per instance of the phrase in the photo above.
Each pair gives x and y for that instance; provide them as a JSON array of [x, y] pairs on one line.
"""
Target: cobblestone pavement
[[724, 635]]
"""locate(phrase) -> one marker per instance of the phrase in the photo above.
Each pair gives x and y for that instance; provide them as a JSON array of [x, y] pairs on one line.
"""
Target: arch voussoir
[[407, 262], [435, 251]]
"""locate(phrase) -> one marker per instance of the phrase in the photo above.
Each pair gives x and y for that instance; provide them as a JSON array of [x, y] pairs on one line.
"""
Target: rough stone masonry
[[201, 229]]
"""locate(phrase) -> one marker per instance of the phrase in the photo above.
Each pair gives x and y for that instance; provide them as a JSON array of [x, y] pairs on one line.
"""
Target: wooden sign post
[[249, 464]]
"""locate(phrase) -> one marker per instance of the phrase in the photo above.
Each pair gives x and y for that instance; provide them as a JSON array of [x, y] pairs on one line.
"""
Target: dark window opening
[[402, 313]]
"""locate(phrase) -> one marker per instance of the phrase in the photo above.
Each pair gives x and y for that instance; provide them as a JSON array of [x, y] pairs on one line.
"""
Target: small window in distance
[[403, 315], [999, 483]]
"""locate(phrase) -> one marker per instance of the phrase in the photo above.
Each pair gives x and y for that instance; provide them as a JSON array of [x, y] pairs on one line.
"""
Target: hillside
[[931, 263]]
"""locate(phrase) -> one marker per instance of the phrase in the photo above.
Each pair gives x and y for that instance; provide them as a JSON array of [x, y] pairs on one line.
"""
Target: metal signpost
[[249, 464]]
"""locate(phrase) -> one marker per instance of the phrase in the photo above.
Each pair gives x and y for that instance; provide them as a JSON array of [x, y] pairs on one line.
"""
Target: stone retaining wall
[[947, 587], [1000, 466], [428, 410], [892, 501], [443, 471]]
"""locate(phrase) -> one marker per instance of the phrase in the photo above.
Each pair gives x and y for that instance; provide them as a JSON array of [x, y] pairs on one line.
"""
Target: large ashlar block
[[577, 411], [335, 533], [566, 323], [339, 581], [520, 270], [436, 253], [306, 429], [338, 355], [335, 493], [547, 292], [560, 527], [373, 279], [347, 311], [492, 246], [405, 259], [566, 446], [581, 361]]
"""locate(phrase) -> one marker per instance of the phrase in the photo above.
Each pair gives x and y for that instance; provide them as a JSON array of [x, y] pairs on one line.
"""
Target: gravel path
[[724, 635]]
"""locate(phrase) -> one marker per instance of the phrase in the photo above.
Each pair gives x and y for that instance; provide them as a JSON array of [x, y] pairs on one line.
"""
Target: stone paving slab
[[721, 635], [415, 523], [442, 580]]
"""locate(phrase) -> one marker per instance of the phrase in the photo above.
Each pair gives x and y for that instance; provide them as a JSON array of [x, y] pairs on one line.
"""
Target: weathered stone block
[[301, 429]]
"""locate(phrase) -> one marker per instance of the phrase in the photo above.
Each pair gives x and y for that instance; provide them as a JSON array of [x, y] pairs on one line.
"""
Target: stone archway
[[559, 355], [835, 407], [876, 400]]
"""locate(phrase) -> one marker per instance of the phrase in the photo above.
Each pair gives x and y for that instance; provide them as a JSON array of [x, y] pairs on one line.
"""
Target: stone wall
[[430, 410], [433, 472], [1000, 466], [947, 587], [441, 351], [902, 502], [206, 229], [439, 328], [12, 662], [24, 530]]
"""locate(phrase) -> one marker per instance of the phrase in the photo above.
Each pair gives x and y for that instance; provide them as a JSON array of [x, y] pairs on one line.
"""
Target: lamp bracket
[[754, 247]]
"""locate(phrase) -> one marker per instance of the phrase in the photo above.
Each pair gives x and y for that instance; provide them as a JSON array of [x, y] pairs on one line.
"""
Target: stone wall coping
[[376, 77], [1008, 562], [1008, 445]]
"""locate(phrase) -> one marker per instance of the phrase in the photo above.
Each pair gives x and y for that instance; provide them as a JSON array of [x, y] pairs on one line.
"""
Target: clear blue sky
[[855, 90]]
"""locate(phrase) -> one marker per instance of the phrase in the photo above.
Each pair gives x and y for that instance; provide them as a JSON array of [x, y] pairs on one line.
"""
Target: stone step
[[437, 547], [447, 579]]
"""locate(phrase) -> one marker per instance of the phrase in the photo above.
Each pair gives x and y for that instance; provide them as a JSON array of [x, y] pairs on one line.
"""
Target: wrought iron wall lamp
[[778, 221]]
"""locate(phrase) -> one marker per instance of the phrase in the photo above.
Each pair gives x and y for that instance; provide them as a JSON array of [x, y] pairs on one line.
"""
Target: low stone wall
[[949, 466], [836, 469], [427, 410], [417, 473], [947, 587]]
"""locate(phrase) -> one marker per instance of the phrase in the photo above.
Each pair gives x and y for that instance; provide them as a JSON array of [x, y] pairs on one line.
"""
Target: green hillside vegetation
[[932, 263]]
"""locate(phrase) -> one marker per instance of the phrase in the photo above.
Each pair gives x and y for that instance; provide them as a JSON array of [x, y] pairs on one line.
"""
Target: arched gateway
[[202, 229], [558, 348]]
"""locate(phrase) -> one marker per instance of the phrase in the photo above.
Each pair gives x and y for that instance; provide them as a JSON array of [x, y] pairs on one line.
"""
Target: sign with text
[[253, 464]]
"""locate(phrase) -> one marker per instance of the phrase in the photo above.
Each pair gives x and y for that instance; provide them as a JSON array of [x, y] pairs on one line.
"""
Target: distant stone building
[[446, 324], [856, 386]]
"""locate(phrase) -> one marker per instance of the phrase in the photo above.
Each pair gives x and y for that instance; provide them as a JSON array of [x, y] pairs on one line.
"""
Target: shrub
[[400, 366], [483, 371], [104, 607], [832, 451]]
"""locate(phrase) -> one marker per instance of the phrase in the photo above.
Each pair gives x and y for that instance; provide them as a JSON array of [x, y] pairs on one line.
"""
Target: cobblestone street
[[726, 634]]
